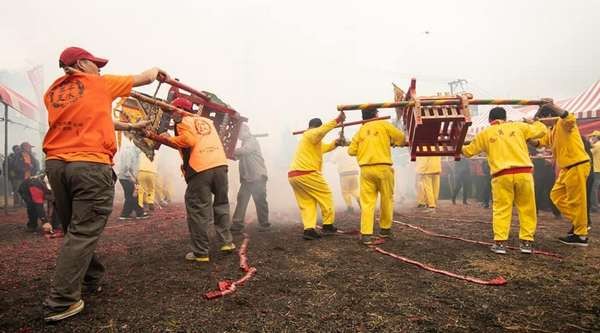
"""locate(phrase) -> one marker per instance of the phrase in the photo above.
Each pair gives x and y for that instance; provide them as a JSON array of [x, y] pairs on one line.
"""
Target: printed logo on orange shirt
[[202, 127], [66, 93]]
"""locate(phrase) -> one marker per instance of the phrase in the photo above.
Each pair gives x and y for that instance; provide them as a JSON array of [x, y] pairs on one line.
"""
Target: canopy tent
[[9, 97], [585, 106]]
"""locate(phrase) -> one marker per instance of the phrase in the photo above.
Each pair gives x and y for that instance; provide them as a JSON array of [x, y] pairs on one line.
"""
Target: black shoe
[[574, 240], [93, 289], [311, 234], [385, 233], [264, 227], [329, 229], [143, 216]]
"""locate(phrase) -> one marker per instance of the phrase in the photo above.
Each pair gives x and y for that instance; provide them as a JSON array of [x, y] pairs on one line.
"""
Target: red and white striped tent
[[18, 102], [585, 106]]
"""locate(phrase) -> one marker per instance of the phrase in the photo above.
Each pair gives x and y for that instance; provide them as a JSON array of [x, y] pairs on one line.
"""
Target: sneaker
[[429, 210], [311, 234], [123, 218], [526, 247], [574, 240], [367, 239], [498, 248], [143, 216], [421, 205], [60, 315], [192, 257], [227, 248], [329, 229], [385, 233]]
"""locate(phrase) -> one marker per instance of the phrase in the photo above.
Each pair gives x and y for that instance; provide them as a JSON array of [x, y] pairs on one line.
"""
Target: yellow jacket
[[429, 165], [505, 144], [309, 154], [596, 155], [565, 141], [372, 143]]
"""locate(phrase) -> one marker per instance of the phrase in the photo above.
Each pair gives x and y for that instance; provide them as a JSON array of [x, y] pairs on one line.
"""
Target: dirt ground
[[330, 285]]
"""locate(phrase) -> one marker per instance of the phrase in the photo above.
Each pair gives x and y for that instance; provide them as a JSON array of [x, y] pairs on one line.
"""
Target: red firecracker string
[[435, 234], [227, 287]]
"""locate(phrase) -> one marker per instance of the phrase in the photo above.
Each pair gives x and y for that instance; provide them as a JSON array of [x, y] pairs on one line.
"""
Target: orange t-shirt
[[199, 144], [79, 117]]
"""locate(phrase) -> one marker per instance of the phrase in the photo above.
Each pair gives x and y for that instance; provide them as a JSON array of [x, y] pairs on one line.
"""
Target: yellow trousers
[[147, 186], [312, 190], [570, 196], [428, 189], [518, 190], [376, 180], [349, 186]]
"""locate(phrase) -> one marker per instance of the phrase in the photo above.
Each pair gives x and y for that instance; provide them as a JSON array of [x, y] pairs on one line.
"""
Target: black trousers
[[35, 212], [258, 191], [462, 181], [131, 203]]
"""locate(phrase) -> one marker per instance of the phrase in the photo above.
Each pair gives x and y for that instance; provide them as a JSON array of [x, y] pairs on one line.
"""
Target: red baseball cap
[[70, 55], [182, 103]]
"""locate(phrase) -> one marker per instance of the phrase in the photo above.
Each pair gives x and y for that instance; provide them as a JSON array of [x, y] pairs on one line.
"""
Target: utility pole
[[457, 86]]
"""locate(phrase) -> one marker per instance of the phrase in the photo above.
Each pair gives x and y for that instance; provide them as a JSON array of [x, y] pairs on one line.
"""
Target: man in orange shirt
[[205, 171], [79, 146]]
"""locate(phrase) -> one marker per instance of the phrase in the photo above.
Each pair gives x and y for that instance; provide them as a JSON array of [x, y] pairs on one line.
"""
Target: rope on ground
[[227, 287], [498, 281], [435, 234]]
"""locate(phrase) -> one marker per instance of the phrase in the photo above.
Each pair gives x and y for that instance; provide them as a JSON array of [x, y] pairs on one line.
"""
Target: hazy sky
[[281, 62]]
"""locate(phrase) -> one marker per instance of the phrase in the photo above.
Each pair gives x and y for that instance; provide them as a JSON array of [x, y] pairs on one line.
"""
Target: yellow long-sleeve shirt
[[372, 143], [565, 141], [309, 154], [145, 164], [428, 165], [505, 144]]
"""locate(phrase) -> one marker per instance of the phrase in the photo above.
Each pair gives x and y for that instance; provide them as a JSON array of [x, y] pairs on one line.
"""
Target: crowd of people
[[80, 149]]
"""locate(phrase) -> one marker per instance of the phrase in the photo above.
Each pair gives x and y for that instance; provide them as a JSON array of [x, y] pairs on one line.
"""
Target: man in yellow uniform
[[310, 188], [569, 190], [146, 178], [505, 144], [595, 141], [429, 169], [348, 170], [205, 172], [372, 147]]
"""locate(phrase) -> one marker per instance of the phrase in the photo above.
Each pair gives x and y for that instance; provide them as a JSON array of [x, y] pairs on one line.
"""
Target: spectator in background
[[29, 164], [127, 173], [33, 191], [462, 180], [15, 174]]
